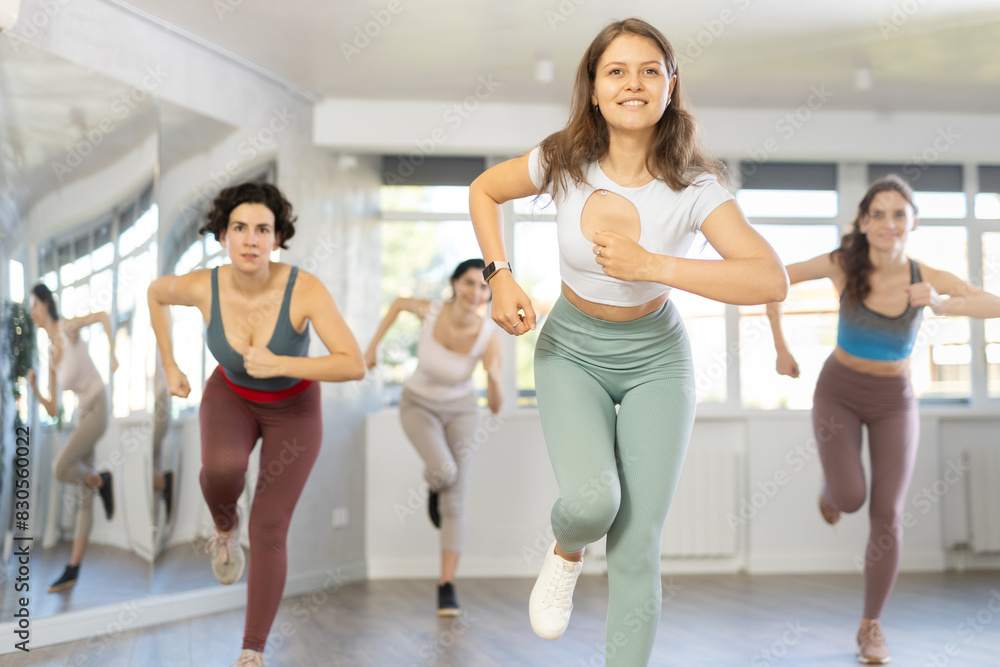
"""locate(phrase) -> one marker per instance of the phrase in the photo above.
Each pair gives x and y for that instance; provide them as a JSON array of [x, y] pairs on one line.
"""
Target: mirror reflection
[[198, 157], [80, 155]]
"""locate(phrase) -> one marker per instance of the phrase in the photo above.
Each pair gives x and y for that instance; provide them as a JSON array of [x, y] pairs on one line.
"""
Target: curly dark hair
[[853, 251], [251, 192]]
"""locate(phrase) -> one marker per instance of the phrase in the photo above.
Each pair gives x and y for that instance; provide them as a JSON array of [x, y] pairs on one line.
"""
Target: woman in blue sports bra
[[866, 380]]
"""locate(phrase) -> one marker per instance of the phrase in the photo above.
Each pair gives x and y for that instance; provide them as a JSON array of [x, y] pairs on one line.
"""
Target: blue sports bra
[[866, 334]]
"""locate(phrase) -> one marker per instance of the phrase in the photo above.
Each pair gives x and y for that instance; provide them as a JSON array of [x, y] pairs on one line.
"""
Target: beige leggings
[[442, 432], [76, 460]]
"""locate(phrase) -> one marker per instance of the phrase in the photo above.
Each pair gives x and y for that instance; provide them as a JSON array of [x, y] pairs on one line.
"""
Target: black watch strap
[[492, 268]]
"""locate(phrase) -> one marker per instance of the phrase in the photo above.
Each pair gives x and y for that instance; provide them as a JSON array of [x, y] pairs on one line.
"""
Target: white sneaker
[[228, 560], [551, 599]]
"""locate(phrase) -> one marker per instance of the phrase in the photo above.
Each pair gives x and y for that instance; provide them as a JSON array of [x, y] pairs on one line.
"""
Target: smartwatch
[[492, 268]]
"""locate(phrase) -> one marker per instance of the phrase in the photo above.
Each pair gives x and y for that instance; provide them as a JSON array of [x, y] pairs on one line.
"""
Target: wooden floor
[[107, 575], [718, 621]]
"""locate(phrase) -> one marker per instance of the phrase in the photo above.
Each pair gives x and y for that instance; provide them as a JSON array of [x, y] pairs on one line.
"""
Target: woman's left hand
[[924, 294], [623, 258], [260, 362]]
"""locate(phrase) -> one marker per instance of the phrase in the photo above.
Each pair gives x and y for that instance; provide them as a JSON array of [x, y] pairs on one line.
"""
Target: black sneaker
[[447, 602], [67, 580], [107, 495], [168, 492], [432, 509]]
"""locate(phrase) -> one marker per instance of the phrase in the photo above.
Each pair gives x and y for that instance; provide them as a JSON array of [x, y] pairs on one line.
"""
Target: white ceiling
[[932, 55]]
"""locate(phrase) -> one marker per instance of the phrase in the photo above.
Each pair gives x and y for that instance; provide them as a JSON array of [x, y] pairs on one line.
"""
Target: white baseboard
[[106, 622], [913, 561]]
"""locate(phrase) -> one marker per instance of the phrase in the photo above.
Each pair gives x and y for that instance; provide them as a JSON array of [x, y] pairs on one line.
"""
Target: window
[[991, 283], [103, 267], [425, 233], [809, 323], [796, 208], [988, 198], [788, 190]]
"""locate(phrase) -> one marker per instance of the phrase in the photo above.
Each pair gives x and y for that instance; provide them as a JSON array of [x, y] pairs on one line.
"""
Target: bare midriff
[[871, 366], [608, 313]]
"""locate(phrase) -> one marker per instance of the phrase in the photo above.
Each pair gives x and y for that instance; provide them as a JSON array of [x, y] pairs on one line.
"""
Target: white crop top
[[76, 371], [669, 220], [443, 374]]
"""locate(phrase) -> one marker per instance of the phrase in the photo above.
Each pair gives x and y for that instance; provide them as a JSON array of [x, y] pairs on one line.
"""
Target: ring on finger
[[599, 249]]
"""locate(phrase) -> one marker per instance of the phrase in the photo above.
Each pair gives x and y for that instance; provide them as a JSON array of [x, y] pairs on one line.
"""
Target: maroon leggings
[[844, 401], [292, 431]]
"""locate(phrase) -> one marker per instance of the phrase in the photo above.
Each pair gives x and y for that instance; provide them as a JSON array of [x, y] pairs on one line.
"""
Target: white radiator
[[983, 500], [697, 526]]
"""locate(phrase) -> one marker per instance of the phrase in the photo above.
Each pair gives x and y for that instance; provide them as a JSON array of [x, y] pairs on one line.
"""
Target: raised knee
[[848, 502], [589, 518], [443, 477]]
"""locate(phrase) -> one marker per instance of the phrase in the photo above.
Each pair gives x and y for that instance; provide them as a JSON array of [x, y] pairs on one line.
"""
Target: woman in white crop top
[[71, 368], [631, 188], [438, 408]]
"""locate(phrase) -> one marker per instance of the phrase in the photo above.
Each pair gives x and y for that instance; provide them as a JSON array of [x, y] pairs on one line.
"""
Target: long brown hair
[[675, 153], [853, 251]]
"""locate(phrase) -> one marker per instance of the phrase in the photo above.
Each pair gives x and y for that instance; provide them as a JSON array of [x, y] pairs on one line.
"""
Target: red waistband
[[266, 396]]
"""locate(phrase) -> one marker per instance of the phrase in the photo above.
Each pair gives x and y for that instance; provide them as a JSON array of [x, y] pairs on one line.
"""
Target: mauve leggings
[[291, 431], [845, 400]]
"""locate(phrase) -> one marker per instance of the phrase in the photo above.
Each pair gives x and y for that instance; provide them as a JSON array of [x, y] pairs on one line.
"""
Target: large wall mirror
[[104, 188]]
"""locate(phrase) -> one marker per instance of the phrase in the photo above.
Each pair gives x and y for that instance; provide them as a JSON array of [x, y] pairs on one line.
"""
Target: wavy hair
[[251, 192], [675, 154], [853, 251]]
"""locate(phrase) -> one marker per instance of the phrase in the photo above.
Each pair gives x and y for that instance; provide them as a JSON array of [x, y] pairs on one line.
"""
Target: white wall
[[512, 488]]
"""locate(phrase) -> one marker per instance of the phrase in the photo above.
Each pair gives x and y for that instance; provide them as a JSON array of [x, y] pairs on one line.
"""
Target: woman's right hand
[[509, 301], [177, 382], [786, 364], [371, 358]]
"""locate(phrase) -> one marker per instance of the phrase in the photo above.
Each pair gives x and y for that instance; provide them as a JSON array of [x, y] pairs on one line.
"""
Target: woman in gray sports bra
[[258, 314], [866, 380]]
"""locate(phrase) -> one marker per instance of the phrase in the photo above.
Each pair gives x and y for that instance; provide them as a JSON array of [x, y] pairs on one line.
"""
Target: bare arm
[[749, 273], [344, 361], [192, 289], [822, 266], [416, 306], [504, 182], [71, 326], [48, 403], [963, 297], [493, 363]]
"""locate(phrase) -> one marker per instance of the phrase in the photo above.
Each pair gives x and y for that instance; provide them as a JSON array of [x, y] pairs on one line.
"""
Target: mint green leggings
[[617, 472]]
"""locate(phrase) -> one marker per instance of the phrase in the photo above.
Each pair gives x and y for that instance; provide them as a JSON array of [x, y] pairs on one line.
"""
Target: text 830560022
[[22, 512]]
